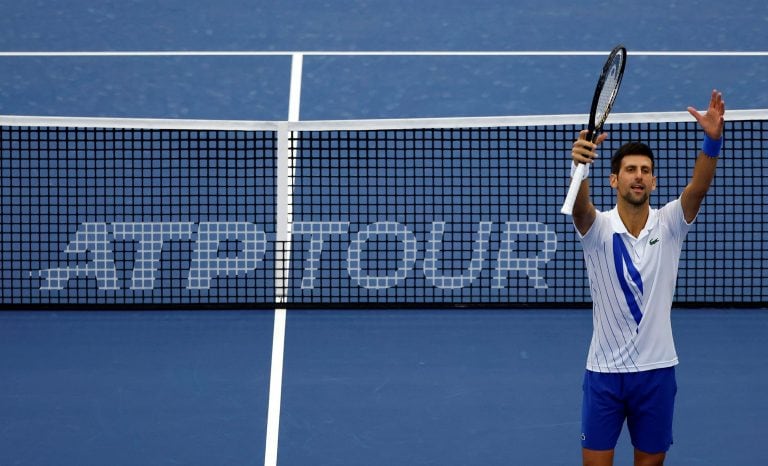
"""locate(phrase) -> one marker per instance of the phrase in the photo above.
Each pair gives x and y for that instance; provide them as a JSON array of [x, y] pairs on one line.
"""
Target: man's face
[[635, 181]]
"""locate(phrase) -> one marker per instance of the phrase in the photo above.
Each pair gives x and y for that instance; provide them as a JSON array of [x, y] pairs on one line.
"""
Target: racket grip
[[573, 189]]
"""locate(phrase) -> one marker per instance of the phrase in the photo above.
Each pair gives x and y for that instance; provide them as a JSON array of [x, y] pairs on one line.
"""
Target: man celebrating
[[632, 254]]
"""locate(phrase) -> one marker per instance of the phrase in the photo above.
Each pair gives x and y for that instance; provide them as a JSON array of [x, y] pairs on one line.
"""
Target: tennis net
[[401, 213]]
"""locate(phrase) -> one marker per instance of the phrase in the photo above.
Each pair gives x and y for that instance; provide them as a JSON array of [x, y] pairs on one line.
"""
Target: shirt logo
[[653, 241]]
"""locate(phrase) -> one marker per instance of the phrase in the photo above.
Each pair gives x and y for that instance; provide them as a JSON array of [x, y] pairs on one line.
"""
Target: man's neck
[[634, 217]]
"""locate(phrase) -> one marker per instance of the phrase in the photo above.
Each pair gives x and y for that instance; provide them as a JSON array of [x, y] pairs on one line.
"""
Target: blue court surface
[[361, 386]]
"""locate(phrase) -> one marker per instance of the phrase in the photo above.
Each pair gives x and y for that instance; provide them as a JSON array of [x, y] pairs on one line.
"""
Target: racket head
[[606, 90]]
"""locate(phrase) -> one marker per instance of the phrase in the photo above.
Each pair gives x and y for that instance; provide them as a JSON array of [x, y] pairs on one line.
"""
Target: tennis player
[[632, 254]]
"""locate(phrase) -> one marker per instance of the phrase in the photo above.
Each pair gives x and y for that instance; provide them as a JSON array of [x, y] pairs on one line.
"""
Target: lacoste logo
[[653, 241]]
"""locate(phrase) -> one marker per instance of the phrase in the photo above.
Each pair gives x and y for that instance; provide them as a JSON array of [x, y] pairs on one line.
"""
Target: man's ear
[[614, 180]]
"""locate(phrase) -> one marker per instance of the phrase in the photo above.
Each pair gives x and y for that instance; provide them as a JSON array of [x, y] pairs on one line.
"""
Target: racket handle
[[573, 189]]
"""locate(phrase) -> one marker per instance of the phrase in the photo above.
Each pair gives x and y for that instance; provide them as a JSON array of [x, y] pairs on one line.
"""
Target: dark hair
[[630, 148]]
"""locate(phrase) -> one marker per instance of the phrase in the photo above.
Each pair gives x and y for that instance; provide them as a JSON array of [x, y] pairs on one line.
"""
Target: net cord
[[362, 125]]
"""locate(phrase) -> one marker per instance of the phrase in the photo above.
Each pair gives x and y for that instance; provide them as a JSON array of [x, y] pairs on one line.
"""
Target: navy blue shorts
[[645, 399]]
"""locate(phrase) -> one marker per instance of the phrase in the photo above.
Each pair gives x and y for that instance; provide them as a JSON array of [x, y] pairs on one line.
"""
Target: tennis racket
[[605, 93]]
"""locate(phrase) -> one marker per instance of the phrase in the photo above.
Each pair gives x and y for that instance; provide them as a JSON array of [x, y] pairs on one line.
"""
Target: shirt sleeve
[[673, 218], [592, 235]]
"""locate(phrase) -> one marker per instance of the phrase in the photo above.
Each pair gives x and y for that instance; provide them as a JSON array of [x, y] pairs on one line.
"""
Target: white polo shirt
[[632, 283]]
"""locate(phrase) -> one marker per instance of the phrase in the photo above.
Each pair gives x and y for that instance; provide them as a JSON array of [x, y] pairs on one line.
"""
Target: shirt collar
[[618, 225]]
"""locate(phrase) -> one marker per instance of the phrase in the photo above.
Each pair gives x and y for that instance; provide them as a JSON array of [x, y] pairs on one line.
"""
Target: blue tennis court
[[360, 387], [184, 378]]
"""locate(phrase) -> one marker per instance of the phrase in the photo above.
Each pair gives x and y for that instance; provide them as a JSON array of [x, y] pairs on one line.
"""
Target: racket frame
[[594, 127]]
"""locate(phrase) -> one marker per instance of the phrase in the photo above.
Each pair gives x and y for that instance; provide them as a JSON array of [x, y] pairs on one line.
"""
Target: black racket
[[602, 102]]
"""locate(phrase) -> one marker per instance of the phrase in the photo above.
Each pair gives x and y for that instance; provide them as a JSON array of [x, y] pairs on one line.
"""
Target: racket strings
[[609, 91]]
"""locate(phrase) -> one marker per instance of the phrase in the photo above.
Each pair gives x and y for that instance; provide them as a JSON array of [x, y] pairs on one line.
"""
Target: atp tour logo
[[207, 262]]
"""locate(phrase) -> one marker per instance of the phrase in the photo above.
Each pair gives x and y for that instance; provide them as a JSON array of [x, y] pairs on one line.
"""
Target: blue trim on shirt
[[620, 257]]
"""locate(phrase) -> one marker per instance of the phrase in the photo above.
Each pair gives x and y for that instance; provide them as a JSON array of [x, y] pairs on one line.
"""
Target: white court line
[[275, 389], [284, 220], [415, 53]]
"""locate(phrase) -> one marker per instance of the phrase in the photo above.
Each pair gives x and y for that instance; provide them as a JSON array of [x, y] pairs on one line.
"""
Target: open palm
[[712, 121]]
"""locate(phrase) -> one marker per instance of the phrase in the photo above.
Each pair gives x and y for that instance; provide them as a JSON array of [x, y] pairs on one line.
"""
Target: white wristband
[[586, 170]]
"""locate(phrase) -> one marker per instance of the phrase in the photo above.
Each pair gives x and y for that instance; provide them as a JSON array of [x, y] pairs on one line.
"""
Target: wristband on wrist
[[586, 170], [711, 147]]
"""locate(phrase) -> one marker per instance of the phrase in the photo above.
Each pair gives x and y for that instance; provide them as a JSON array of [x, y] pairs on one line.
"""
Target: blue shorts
[[645, 399]]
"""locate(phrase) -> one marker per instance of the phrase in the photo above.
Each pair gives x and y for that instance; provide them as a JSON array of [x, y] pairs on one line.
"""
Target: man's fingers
[[583, 151], [695, 113], [585, 145], [601, 138], [716, 100]]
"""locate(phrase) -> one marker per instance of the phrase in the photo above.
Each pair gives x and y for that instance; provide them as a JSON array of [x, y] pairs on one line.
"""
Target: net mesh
[[389, 213]]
